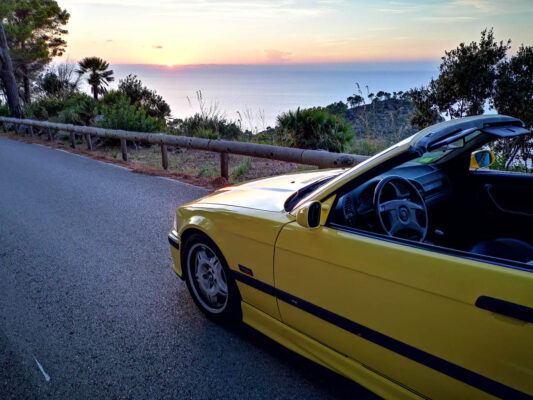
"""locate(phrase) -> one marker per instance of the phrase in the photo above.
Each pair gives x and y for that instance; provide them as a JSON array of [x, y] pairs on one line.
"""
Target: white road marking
[[46, 376], [182, 183]]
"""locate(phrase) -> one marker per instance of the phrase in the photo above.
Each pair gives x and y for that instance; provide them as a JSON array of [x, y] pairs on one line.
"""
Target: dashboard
[[356, 208]]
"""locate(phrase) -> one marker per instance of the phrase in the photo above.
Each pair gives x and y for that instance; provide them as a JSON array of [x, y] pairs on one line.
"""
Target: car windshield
[[453, 148]]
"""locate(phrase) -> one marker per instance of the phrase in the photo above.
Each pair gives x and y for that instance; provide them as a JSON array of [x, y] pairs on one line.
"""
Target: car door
[[419, 315]]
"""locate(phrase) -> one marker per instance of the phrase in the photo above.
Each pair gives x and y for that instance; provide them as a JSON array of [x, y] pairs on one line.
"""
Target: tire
[[209, 281]]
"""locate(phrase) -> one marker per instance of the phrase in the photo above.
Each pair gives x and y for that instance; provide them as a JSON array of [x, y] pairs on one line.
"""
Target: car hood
[[267, 194]]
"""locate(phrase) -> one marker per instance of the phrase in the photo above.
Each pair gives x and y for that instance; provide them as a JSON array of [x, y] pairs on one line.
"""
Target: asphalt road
[[89, 304]]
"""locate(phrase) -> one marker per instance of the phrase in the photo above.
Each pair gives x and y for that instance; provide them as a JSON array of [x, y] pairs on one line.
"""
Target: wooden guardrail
[[319, 158]]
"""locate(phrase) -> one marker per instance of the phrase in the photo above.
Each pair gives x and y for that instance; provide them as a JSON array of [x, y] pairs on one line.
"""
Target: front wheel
[[209, 281]]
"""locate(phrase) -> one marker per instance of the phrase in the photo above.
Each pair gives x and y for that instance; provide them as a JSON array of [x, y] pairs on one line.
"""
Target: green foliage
[[198, 125], [514, 87], [34, 29], [242, 168], [60, 81], [466, 80], [44, 108], [99, 74], [355, 100], [206, 134], [148, 99], [123, 115], [426, 112], [4, 111], [369, 147], [339, 108], [78, 110], [314, 128]]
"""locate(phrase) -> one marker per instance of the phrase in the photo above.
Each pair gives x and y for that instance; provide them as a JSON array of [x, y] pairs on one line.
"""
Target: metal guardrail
[[319, 158]]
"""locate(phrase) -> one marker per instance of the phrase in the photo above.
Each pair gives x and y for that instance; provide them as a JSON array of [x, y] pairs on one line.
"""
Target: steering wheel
[[404, 207]]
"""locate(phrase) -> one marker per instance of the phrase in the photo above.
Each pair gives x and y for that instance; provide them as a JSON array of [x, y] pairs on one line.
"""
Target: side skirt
[[323, 355]]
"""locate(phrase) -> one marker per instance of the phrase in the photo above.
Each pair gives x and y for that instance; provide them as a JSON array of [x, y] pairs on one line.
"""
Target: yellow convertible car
[[410, 273]]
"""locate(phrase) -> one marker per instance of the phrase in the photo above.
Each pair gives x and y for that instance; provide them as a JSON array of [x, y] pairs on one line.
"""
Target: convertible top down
[[410, 273]]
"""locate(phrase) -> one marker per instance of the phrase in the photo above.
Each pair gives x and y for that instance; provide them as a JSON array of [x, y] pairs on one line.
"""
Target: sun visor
[[505, 131]]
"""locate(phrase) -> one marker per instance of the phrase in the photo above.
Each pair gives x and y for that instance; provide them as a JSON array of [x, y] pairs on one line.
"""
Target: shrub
[[123, 115], [154, 104], [4, 111], [198, 125], [44, 108], [78, 110], [314, 128]]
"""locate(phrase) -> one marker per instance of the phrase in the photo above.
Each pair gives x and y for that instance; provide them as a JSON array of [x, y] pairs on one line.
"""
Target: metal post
[[89, 142], [164, 156], [224, 165], [73, 139], [124, 149]]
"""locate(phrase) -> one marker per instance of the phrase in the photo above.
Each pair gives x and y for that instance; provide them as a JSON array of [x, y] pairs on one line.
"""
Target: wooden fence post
[[31, 130], [124, 149], [16, 128], [89, 141], [164, 156], [224, 165], [73, 139], [4, 126], [50, 136]]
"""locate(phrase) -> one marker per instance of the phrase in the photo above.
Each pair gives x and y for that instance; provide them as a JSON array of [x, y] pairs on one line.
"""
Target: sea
[[256, 94]]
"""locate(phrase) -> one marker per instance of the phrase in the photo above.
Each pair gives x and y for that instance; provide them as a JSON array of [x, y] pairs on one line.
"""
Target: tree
[[354, 100], [60, 81], [153, 103], [8, 77], [513, 95], [99, 75], [467, 76], [34, 29], [426, 112]]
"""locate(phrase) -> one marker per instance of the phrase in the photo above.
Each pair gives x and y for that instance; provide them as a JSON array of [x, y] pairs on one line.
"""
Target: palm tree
[[99, 76]]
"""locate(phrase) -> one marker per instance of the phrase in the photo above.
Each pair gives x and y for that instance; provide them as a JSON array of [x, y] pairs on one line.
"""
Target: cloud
[[277, 55], [109, 40], [157, 46], [447, 20]]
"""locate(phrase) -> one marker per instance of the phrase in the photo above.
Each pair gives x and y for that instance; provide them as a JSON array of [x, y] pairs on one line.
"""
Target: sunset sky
[[170, 32]]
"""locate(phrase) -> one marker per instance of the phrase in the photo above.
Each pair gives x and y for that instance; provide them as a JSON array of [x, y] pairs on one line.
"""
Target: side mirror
[[482, 159], [309, 214]]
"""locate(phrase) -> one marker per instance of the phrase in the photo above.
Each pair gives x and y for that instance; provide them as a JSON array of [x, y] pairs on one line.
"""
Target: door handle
[[504, 307]]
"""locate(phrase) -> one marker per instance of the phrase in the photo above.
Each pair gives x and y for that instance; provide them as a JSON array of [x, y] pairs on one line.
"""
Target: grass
[[242, 168]]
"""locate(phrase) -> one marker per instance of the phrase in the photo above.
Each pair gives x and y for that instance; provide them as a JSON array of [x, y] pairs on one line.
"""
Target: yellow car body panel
[[399, 319]]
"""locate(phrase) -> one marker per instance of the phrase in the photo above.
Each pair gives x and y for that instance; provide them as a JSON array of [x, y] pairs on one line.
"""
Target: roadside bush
[[44, 108], [4, 111], [314, 128], [123, 115], [198, 125], [154, 104], [78, 110]]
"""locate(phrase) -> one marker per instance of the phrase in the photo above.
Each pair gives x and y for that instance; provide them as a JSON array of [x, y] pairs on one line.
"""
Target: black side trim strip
[[514, 310], [173, 243], [455, 371], [264, 287]]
